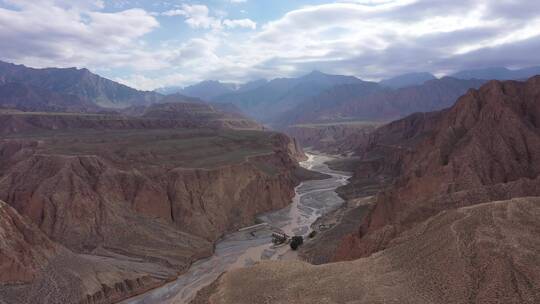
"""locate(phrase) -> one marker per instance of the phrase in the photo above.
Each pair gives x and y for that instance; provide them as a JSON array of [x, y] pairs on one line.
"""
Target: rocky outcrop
[[486, 253], [485, 148]]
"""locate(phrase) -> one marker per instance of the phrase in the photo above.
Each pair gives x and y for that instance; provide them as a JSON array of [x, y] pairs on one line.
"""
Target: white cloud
[[247, 23], [368, 38], [198, 16], [67, 33]]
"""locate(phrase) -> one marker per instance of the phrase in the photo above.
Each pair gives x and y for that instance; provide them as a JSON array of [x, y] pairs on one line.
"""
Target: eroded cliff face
[[485, 148], [25, 250], [331, 138], [140, 219], [35, 269]]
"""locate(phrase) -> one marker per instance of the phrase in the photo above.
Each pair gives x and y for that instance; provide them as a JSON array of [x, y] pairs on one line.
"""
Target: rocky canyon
[[454, 219], [97, 210], [351, 152]]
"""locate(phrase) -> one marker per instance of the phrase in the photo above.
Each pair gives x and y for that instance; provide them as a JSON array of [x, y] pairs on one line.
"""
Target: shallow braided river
[[248, 246]]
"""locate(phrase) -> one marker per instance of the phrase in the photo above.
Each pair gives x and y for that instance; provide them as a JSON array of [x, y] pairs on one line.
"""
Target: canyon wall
[[485, 148], [130, 220]]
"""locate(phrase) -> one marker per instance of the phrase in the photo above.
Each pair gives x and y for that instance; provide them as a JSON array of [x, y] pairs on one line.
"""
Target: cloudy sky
[[149, 44]]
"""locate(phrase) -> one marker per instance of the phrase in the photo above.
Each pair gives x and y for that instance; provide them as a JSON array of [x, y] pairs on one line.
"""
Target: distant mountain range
[[266, 102], [498, 73], [407, 80], [80, 91], [376, 103], [25, 97], [313, 98], [78, 82], [319, 97], [210, 89]]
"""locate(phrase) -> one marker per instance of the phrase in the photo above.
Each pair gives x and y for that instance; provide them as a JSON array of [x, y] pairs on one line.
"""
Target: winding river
[[248, 246]]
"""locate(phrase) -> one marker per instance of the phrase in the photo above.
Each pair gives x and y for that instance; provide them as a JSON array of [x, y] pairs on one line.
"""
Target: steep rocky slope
[[133, 208], [486, 253], [484, 148], [38, 270], [25, 250]]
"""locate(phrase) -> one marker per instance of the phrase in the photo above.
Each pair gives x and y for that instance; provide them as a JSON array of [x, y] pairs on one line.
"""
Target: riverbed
[[247, 246]]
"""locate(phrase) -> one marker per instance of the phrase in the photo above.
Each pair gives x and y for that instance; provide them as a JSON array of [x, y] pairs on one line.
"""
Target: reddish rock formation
[[24, 249], [135, 206], [486, 147], [34, 269]]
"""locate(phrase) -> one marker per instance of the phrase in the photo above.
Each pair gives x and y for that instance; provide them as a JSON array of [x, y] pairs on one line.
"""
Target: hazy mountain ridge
[[24, 97], [314, 97], [283, 101], [80, 82], [379, 104], [498, 73], [277, 96], [210, 89], [406, 80]]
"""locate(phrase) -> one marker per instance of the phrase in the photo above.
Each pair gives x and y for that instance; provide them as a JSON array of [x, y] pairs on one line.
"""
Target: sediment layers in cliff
[[130, 217], [13, 122]]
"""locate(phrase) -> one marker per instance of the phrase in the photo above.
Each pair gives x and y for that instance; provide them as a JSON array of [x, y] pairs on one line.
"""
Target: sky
[[151, 44]]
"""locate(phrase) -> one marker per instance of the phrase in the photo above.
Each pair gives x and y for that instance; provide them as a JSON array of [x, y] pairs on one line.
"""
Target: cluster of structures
[[279, 238]]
